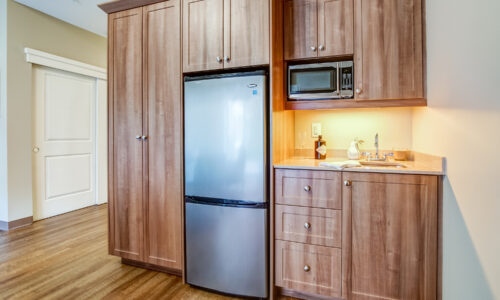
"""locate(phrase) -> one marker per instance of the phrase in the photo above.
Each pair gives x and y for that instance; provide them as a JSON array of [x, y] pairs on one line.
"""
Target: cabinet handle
[[307, 268], [321, 47], [138, 137], [144, 137], [313, 48], [307, 188], [36, 149], [358, 91], [218, 59], [347, 183], [307, 225], [227, 58]]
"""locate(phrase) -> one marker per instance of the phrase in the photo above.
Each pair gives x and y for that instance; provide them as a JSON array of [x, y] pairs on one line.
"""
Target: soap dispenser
[[320, 148], [353, 151]]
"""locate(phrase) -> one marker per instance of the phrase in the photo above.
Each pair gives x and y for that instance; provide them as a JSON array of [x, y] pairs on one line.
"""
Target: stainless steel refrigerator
[[226, 191]]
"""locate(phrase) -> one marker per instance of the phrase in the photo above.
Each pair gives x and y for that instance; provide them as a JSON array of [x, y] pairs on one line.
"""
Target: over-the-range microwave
[[319, 81]]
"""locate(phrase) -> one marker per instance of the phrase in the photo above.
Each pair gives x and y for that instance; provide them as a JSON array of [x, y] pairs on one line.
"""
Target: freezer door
[[225, 138], [226, 249]]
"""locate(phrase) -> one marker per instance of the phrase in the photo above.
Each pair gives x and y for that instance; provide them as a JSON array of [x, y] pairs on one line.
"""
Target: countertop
[[418, 163]]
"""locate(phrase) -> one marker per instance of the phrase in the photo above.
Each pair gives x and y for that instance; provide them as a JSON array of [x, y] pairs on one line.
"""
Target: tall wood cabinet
[[145, 135], [220, 34]]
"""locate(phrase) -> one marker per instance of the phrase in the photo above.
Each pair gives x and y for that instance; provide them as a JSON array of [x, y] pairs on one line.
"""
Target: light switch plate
[[316, 129]]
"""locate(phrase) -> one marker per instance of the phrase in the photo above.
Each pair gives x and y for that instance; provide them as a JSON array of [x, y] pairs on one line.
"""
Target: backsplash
[[340, 127]]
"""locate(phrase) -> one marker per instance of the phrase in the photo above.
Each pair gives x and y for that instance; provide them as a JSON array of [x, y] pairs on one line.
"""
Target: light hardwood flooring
[[65, 257]]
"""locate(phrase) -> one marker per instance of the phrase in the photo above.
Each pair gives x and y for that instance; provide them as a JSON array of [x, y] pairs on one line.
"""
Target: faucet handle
[[367, 155]]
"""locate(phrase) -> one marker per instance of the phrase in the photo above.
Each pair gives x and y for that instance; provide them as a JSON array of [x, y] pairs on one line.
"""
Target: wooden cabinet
[[390, 238], [126, 236], [388, 49], [221, 34], [203, 32], [318, 28], [380, 243], [163, 126], [145, 135]]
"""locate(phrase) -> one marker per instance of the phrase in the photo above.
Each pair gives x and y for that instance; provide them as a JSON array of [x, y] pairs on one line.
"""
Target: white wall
[[3, 121], [462, 122]]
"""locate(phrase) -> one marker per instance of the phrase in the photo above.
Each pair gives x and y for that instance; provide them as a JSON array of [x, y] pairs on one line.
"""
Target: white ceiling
[[82, 13]]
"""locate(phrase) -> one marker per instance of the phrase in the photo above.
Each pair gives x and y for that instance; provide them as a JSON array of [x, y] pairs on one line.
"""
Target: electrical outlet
[[316, 129]]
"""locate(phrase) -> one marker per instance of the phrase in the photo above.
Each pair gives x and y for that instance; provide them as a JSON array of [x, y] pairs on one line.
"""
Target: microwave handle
[[338, 79]]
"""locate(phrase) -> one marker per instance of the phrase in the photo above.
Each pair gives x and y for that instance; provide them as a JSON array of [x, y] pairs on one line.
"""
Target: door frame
[[99, 74]]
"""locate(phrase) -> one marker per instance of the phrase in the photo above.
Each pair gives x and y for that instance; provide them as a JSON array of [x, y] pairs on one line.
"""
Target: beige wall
[[29, 28], [340, 127], [3, 120], [462, 123]]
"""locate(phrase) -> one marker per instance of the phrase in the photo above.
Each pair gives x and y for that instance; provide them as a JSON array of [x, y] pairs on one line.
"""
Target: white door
[[64, 149]]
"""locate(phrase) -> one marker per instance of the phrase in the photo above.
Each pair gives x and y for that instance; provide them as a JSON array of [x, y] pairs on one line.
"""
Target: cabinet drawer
[[308, 268], [309, 225], [308, 188]]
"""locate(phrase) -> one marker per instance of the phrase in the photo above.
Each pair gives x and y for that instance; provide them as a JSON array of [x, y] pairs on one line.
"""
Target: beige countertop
[[418, 163]]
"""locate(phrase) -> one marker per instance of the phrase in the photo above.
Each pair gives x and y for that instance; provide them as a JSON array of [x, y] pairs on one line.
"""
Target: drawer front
[[309, 225], [308, 188], [308, 268]]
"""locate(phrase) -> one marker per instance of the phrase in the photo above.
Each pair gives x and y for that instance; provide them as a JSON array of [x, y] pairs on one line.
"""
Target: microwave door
[[311, 82]]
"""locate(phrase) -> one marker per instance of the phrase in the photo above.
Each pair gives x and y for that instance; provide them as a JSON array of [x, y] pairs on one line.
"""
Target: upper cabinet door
[[388, 49], [301, 29], [246, 33], [125, 123], [163, 126], [202, 35], [335, 27]]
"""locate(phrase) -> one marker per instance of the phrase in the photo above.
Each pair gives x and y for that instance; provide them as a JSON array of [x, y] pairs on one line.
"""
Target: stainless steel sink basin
[[382, 164]]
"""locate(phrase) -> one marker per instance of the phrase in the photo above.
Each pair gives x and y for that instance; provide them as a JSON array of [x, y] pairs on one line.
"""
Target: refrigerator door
[[226, 249], [225, 137]]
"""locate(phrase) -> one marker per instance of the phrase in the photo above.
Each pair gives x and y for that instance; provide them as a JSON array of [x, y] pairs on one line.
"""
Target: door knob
[[358, 91], [321, 47], [307, 188], [307, 268], [307, 225], [227, 59], [137, 137], [36, 149], [347, 183], [144, 137], [313, 48], [218, 59]]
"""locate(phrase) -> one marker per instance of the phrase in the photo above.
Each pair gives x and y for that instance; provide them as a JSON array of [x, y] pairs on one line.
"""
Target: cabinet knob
[[347, 183], [144, 137], [218, 59], [307, 268], [138, 137], [307, 188], [358, 91], [36, 149], [227, 58], [313, 48], [307, 225], [321, 47]]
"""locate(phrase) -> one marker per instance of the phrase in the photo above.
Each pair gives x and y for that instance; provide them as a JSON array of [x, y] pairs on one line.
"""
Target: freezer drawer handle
[[307, 188], [307, 268]]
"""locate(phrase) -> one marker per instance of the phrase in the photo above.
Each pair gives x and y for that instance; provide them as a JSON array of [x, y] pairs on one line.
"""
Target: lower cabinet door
[[309, 269], [390, 236]]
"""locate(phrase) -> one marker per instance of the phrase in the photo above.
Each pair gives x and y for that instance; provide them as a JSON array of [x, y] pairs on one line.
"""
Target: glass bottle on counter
[[320, 148]]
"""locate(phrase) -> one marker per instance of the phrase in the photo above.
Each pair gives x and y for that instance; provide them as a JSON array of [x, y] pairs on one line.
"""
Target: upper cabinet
[[388, 49], [318, 28], [221, 34]]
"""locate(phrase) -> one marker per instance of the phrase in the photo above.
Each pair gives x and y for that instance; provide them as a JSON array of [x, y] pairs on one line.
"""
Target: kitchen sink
[[382, 164]]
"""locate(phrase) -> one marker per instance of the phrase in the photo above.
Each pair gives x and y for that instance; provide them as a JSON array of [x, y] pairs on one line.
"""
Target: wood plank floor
[[65, 257]]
